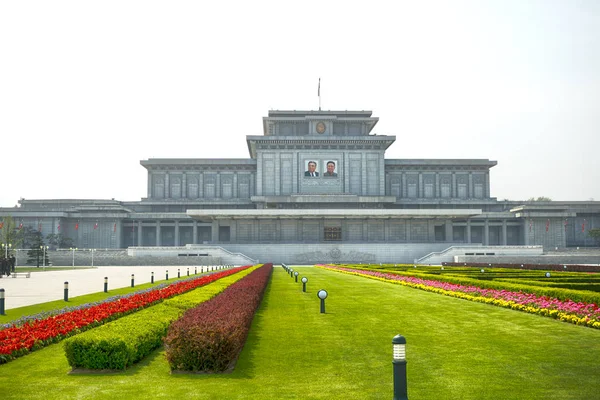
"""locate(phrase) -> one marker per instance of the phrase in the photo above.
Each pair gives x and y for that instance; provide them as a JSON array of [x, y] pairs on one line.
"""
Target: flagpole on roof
[[319, 94]]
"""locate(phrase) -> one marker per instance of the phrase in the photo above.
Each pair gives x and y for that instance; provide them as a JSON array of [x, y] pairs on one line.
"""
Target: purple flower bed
[[209, 338]]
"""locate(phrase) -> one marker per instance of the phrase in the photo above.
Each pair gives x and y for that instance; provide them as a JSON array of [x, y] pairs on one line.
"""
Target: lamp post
[[399, 362], [304, 280], [6, 246], [73, 250], [93, 251], [44, 248], [322, 294], [296, 275]]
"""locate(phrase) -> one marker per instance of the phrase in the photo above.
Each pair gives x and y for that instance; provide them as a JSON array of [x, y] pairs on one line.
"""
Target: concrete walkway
[[48, 285]]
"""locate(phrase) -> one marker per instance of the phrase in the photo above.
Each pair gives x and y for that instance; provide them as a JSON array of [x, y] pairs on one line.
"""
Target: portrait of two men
[[312, 169]]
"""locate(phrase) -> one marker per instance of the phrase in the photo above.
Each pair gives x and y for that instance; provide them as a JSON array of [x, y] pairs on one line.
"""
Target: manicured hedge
[[209, 338], [121, 343]]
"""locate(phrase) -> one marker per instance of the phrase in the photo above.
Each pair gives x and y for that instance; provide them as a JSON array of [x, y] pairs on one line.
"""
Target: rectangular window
[[333, 233]]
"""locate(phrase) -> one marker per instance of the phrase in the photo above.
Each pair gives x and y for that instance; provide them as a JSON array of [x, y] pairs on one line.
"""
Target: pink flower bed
[[587, 314]]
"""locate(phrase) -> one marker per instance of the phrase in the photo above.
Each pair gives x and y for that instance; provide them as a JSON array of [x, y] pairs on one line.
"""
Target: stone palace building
[[316, 188]]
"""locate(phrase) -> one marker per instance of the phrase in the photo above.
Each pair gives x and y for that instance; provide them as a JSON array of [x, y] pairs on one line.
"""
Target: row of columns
[[233, 230], [437, 186], [486, 232]]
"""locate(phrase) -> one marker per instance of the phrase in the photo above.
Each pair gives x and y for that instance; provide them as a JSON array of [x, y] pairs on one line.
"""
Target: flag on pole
[[547, 225], [566, 224], [1, 225], [96, 225], [583, 226], [77, 226], [21, 225], [530, 225], [58, 227], [115, 227], [319, 89]]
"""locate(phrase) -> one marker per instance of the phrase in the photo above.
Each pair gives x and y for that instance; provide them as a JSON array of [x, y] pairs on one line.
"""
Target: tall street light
[[92, 250], [6, 246], [73, 249], [44, 248]]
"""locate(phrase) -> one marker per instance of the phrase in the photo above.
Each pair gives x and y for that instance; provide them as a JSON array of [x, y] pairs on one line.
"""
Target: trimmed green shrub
[[121, 343]]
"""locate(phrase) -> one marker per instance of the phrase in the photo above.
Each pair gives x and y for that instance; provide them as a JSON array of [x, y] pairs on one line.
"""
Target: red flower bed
[[210, 336], [16, 341]]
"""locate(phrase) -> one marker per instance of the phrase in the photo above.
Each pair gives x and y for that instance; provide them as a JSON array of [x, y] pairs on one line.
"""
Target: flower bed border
[[584, 314]]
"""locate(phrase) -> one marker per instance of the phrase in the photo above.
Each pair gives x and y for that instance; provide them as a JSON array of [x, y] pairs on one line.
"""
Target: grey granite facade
[[319, 178]]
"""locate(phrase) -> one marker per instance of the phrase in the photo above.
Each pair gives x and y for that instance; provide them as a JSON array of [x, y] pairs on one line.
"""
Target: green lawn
[[456, 349]]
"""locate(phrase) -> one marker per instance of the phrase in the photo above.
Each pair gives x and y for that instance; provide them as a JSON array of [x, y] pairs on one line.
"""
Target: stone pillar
[[201, 185], [184, 185], [453, 188], [449, 231], [233, 231], [218, 186], [258, 177], [176, 233], [504, 236], [158, 241], [525, 233], [195, 232], [119, 235], [167, 186], [436, 187], [486, 185], [420, 190], [140, 231], [486, 233], [149, 192], [408, 223], [234, 189], [471, 193], [215, 232], [468, 231]]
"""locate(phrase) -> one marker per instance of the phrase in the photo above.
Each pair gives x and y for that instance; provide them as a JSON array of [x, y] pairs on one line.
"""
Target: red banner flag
[[77, 226], [115, 227], [1, 225], [20, 226], [583, 226], [547, 225], [566, 224], [96, 225], [58, 227]]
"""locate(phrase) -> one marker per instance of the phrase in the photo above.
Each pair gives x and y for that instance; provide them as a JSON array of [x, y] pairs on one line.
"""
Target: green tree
[[36, 253], [541, 198], [10, 235], [595, 234], [59, 241]]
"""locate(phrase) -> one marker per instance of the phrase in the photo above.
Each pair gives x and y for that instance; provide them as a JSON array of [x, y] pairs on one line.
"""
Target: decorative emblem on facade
[[321, 127]]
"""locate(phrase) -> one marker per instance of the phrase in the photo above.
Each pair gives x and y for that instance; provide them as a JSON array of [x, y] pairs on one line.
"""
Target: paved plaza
[[48, 285]]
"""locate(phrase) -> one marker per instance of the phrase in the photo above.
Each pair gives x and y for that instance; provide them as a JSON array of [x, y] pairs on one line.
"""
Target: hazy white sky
[[87, 89]]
